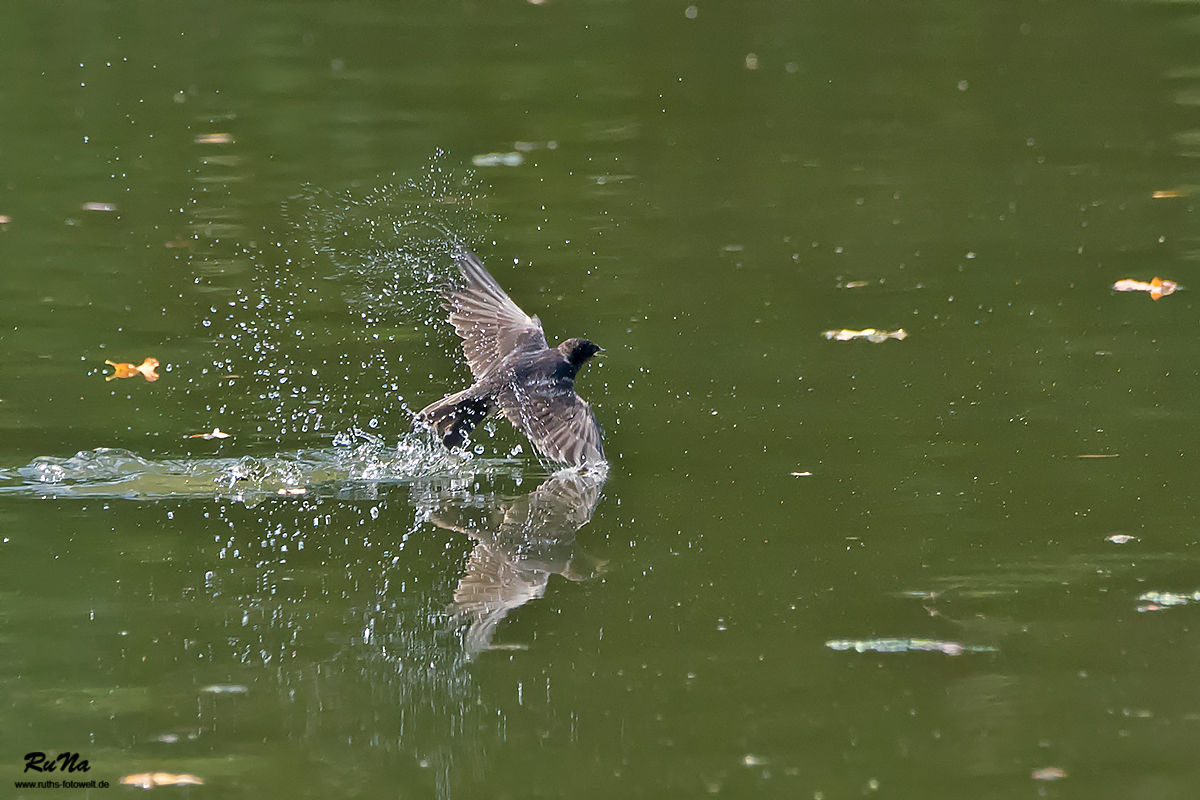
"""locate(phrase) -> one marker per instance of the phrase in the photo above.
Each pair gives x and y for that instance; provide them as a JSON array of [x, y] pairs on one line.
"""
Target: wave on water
[[355, 467]]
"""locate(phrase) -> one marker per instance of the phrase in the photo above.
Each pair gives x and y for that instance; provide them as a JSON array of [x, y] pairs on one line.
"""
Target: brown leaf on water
[[1099, 455], [214, 138], [1157, 288], [1164, 193], [127, 370], [1049, 774], [148, 780]]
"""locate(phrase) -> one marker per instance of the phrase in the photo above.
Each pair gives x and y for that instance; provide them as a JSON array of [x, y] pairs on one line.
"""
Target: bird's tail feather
[[456, 415]]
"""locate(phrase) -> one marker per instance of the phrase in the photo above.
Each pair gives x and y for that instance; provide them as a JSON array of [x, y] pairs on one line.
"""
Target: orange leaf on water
[[217, 433], [1157, 287], [127, 370]]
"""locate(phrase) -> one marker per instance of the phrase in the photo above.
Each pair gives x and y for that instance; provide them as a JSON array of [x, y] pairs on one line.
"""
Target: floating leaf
[[214, 138], [98, 207], [127, 370], [1164, 193], [148, 780], [1157, 601], [225, 688], [870, 334], [1049, 774], [513, 159], [217, 433], [906, 645], [1157, 287]]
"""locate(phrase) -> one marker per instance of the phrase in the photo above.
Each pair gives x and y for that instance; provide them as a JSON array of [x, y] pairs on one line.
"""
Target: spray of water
[[313, 348]]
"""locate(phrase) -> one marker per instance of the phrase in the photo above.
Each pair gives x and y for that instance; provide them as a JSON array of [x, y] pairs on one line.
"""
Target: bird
[[516, 373]]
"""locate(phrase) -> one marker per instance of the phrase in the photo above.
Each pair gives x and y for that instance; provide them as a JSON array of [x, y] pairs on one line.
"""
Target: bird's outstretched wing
[[558, 421], [490, 324]]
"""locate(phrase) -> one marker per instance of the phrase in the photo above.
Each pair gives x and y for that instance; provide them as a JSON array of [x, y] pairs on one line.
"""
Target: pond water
[[957, 561]]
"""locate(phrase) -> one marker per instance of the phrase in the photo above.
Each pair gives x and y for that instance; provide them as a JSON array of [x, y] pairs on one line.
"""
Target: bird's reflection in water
[[519, 543]]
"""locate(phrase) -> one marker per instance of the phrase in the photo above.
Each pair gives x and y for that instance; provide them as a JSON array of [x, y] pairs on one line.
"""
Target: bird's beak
[[599, 353]]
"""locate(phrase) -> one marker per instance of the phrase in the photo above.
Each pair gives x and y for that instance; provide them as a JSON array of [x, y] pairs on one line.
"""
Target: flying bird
[[516, 373]]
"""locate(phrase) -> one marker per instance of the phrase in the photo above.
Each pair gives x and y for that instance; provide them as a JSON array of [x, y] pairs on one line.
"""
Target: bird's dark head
[[577, 351]]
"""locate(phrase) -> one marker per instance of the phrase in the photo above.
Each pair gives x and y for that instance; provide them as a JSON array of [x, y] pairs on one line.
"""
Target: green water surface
[[826, 569]]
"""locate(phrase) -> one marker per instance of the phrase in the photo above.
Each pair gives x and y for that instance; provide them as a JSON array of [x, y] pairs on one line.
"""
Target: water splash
[[324, 338], [396, 241], [355, 467]]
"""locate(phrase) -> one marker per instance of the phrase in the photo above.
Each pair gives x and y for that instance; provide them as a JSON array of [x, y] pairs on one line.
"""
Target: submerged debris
[[1157, 287], [870, 334]]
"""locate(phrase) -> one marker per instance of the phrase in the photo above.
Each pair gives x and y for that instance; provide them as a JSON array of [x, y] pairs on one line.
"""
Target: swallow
[[516, 374]]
